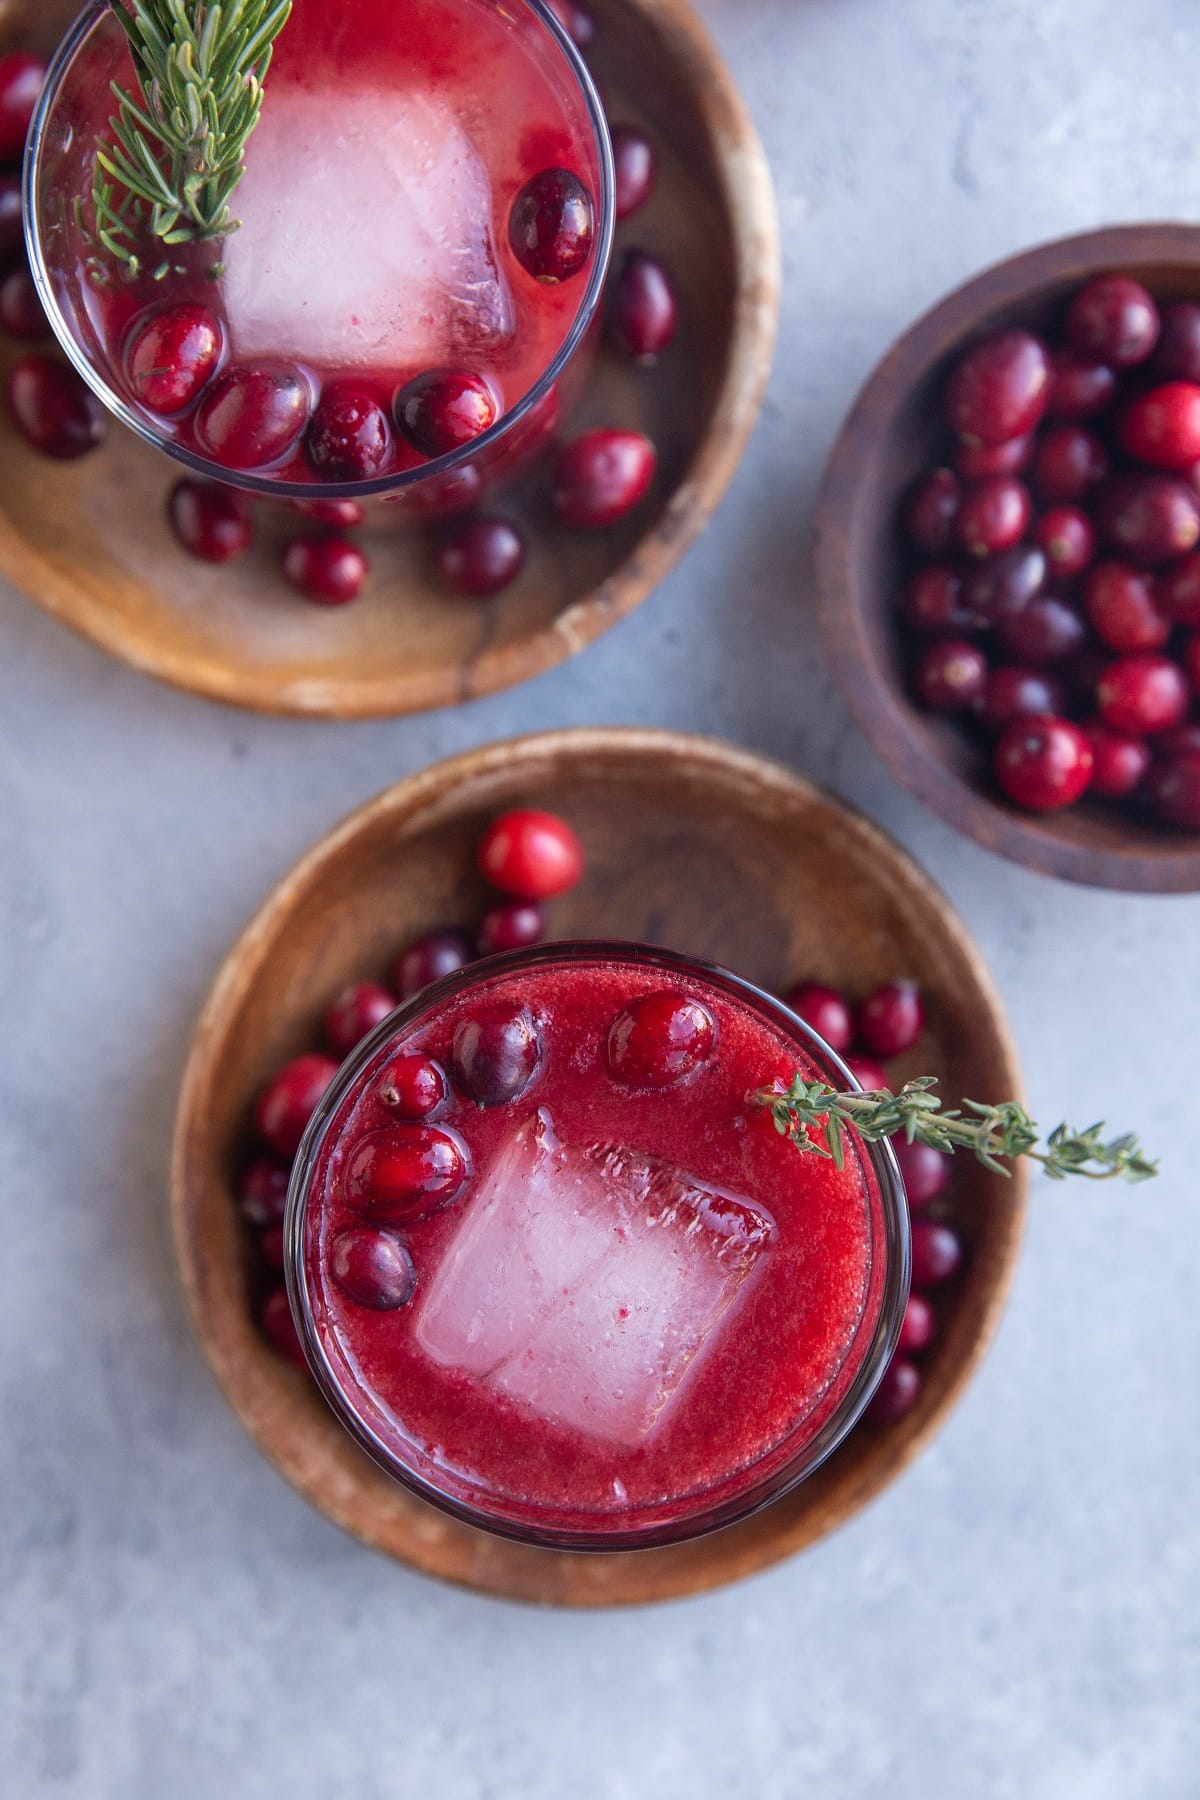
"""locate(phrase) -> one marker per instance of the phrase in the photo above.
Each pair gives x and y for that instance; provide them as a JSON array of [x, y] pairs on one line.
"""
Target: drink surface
[[638, 1302]]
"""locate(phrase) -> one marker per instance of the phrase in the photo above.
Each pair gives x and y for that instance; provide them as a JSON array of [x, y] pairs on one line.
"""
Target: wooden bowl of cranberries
[[1008, 552]]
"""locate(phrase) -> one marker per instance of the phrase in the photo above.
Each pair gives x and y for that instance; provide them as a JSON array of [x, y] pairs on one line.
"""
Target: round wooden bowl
[[690, 844], [892, 434], [89, 541]]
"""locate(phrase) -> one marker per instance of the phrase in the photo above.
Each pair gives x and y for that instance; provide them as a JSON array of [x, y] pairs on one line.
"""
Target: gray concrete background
[[1017, 1616]]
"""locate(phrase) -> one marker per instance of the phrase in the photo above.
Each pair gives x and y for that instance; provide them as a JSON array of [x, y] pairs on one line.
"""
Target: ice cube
[[588, 1282], [366, 235]]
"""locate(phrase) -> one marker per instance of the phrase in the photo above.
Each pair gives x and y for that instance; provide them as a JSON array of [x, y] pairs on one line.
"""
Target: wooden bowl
[[89, 541], [691, 844], [892, 434]]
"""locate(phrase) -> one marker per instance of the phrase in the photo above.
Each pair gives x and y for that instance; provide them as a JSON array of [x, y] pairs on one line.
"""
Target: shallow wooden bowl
[[89, 542], [892, 434], [690, 844]]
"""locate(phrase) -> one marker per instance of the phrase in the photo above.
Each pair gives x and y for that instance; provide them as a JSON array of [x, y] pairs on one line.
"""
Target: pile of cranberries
[[1054, 606], [887, 1023]]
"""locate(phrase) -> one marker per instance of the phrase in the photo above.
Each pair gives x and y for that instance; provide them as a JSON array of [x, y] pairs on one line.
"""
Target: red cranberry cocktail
[[425, 222], [554, 1268]]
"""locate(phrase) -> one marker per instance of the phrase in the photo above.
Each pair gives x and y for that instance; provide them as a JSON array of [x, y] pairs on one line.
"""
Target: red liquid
[[780, 1280], [395, 136]]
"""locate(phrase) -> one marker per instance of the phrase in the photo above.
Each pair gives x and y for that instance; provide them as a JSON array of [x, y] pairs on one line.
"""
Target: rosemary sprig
[[179, 144], [815, 1117]]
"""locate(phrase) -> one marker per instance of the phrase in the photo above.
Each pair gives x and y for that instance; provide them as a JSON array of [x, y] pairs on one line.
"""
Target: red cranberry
[[270, 1246], [345, 515], [918, 1327], [896, 1394], [430, 959], [1079, 387], [1162, 427], [1179, 739], [263, 1192], [54, 409], [1068, 539], [936, 1253], [1119, 762], [994, 515], [1177, 357], [575, 20], [1010, 691], [405, 1173], [931, 603], [644, 313], [635, 168], [356, 1011], [373, 1268], [12, 222], [210, 521], [950, 675], [827, 1011], [1142, 694], [531, 855], [171, 355], [412, 1085], [1151, 519], [287, 1103], [512, 926], [21, 78], [331, 571], [1043, 762], [552, 226], [1003, 584], [444, 496], [496, 1052], [976, 462], [445, 409], [279, 1328], [1114, 320], [1178, 591], [999, 389], [891, 1019], [1173, 789], [253, 417], [601, 476], [1068, 462], [1049, 630], [480, 556], [870, 1075], [21, 314], [659, 1040], [926, 1171], [1123, 608], [931, 515], [348, 437]]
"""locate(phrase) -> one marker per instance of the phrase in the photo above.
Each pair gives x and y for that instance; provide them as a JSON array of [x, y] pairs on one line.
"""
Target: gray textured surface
[[1018, 1616]]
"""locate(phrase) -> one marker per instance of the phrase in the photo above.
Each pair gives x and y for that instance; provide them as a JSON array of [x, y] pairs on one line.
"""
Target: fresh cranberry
[[496, 1052], [211, 522], [1178, 591], [270, 1246], [1177, 741], [918, 1326], [531, 855], [1177, 357], [429, 959], [936, 1253], [1114, 320], [994, 515], [931, 515], [1003, 584], [254, 416], [1079, 387], [12, 221], [634, 164], [54, 409], [827, 1011], [999, 389], [444, 409], [1123, 607], [552, 226], [891, 1019], [405, 1173], [575, 20], [21, 314], [601, 476], [926, 1171], [1049, 630], [372, 1268], [344, 515], [896, 1394], [1043, 762], [1151, 519], [1162, 427], [950, 675], [1010, 691], [1068, 538], [287, 1103], [444, 496], [1119, 762], [976, 462], [412, 1085], [171, 355], [331, 571], [480, 556], [356, 1011], [21, 78], [279, 1327], [870, 1075], [659, 1040], [1143, 694], [1069, 461], [931, 603], [263, 1192], [512, 926], [348, 437], [1173, 789], [644, 313]]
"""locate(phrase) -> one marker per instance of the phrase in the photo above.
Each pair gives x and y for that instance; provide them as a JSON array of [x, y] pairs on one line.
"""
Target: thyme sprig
[[815, 1117], [179, 143]]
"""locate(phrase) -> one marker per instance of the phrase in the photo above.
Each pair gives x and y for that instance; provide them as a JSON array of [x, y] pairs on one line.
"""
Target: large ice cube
[[366, 234], [588, 1282]]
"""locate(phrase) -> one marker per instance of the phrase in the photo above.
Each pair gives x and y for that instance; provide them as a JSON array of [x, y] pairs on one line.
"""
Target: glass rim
[[701, 1519], [93, 15]]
